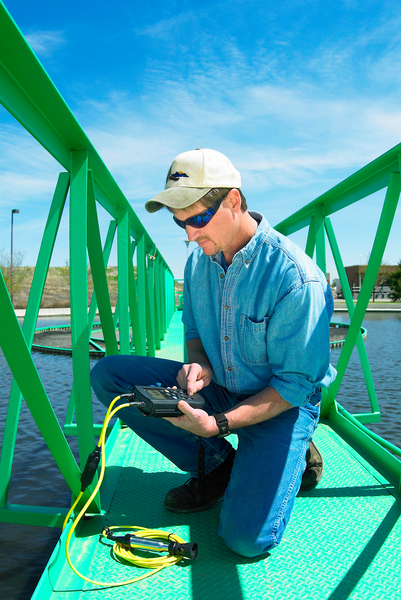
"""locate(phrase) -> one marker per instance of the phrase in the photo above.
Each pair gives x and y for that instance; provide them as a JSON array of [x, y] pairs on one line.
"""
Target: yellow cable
[[121, 551], [156, 563]]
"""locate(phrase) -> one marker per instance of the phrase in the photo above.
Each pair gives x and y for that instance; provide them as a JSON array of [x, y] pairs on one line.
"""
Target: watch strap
[[222, 424]]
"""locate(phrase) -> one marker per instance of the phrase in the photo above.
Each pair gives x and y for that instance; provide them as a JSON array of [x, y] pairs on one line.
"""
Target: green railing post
[[158, 302], [137, 340], [150, 306], [320, 238], [311, 239], [69, 427], [123, 250], [141, 289], [79, 302]]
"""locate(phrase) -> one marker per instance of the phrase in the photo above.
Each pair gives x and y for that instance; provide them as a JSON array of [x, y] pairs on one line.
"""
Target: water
[[35, 478], [383, 347]]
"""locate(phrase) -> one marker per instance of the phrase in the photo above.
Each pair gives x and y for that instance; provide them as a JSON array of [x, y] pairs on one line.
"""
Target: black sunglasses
[[202, 219]]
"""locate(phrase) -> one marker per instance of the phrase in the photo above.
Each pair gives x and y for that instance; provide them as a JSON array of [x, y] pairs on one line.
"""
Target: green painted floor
[[343, 539]]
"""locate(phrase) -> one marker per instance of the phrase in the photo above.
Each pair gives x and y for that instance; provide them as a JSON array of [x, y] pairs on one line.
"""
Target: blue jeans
[[269, 461]]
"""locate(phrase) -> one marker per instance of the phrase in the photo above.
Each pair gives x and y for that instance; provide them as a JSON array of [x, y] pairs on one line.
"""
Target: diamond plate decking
[[342, 541]]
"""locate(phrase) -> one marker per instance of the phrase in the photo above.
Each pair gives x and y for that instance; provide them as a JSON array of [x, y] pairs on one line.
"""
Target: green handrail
[[145, 281], [382, 173]]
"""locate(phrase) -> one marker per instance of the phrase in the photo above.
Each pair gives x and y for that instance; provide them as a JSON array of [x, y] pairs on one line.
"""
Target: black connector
[[188, 550], [154, 545], [90, 468], [130, 397], [132, 401]]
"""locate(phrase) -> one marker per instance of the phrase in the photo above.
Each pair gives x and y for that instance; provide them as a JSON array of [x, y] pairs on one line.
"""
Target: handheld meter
[[162, 402]]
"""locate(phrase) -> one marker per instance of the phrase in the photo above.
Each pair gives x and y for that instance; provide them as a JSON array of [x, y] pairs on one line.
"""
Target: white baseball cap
[[192, 175]]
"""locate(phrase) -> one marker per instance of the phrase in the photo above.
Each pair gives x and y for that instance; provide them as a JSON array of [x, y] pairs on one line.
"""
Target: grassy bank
[[378, 305], [57, 288]]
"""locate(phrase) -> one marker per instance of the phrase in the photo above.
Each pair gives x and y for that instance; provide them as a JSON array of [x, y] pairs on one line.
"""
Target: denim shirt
[[264, 322]]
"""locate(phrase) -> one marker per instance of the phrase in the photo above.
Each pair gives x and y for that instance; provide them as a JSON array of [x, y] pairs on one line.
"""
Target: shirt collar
[[248, 252]]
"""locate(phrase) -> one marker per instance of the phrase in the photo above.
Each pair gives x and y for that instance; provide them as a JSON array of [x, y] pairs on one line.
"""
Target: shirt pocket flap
[[253, 340]]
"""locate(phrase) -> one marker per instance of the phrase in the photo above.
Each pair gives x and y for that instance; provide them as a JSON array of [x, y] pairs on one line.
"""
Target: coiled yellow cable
[[156, 564], [139, 561]]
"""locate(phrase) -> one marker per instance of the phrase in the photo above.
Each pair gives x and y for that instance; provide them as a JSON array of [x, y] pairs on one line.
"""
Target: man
[[257, 313]]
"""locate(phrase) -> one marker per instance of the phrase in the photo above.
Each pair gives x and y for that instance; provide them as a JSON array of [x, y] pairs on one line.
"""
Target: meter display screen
[[155, 394]]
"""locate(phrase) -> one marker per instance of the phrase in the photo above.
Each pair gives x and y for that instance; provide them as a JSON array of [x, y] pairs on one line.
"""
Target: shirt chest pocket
[[253, 340]]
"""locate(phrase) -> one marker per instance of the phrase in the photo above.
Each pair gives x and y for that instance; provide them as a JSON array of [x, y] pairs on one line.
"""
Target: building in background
[[355, 275]]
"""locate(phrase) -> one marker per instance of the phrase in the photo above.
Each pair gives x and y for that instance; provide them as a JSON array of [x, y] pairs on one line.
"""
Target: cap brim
[[176, 197]]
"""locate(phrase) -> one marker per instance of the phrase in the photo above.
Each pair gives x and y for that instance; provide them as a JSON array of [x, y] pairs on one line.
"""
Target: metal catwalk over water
[[343, 539], [58, 340]]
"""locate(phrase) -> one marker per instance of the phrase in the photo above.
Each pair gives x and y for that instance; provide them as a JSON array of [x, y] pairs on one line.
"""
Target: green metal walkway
[[342, 541]]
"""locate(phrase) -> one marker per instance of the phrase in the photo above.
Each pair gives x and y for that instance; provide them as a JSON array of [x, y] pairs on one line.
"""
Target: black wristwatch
[[222, 424]]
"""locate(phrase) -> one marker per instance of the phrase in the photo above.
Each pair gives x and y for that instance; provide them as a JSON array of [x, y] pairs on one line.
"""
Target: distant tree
[[17, 274], [394, 281], [65, 271]]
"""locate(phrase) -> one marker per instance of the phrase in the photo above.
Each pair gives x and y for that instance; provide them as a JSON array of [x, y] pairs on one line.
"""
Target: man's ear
[[234, 199]]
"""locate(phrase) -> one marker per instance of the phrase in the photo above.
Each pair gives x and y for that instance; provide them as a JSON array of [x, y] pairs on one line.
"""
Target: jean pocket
[[253, 340]]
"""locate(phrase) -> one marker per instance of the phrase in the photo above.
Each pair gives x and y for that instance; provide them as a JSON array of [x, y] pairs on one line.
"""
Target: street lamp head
[[15, 210]]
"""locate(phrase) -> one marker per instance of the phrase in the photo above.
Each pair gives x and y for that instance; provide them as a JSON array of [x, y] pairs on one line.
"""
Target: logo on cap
[[176, 176]]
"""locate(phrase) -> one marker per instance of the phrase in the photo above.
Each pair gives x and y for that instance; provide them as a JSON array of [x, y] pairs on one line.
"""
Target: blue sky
[[299, 95]]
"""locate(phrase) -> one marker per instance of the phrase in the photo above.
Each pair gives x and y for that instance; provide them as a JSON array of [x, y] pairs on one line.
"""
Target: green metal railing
[[382, 173], [145, 282]]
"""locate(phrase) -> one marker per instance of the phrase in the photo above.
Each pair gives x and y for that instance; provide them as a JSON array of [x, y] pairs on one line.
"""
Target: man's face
[[218, 234]]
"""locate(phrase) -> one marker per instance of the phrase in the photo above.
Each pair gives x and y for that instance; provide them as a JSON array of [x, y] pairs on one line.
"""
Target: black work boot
[[314, 468], [186, 498]]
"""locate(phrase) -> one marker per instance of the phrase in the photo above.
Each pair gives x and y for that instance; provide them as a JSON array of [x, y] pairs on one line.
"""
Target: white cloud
[[291, 127], [43, 43], [167, 28]]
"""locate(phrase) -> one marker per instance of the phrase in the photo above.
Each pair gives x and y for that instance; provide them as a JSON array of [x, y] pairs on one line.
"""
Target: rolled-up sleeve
[[298, 343]]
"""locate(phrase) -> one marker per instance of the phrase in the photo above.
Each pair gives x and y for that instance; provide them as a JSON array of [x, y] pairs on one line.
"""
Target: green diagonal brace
[[383, 231], [31, 315], [359, 340], [98, 268], [18, 357]]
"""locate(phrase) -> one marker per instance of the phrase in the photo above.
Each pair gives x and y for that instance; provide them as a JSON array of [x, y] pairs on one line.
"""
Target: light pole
[[13, 212], [187, 242]]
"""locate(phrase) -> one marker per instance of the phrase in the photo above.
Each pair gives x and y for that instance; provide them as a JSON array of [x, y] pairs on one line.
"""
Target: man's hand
[[195, 420], [194, 377]]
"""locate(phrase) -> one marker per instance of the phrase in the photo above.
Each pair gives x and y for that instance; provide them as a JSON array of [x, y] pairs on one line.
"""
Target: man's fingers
[[185, 408], [192, 379]]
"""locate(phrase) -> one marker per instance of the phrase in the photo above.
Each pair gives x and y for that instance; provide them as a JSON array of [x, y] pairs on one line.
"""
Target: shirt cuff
[[297, 392]]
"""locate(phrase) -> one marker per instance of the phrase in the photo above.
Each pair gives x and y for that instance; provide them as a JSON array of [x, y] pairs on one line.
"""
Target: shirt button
[[230, 368], [226, 337], [247, 262], [222, 275], [226, 307]]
